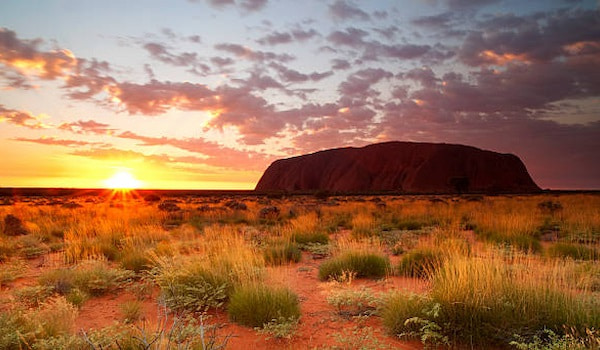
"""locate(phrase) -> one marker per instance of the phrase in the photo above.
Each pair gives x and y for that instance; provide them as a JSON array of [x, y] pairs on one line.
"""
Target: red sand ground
[[319, 323]]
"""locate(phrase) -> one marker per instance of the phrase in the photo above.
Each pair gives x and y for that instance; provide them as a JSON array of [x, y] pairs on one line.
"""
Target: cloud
[[539, 37], [277, 38], [556, 155], [345, 10], [388, 33], [222, 61], [58, 142], [89, 79], [252, 55], [439, 21], [464, 4], [340, 64], [247, 5], [213, 153], [24, 58], [373, 50], [293, 76], [360, 83], [87, 127], [157, 97], [21, 118], [353, 37], [161, 53], [259, 81]]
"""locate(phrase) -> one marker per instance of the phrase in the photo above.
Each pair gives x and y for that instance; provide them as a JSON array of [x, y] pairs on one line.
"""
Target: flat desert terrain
[[127, 271]]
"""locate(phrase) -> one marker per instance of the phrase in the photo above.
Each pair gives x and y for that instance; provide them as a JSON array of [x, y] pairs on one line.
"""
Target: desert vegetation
[[300, 272]]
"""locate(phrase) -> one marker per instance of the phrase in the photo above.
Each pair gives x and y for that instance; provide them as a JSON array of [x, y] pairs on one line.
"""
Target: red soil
[[318, 325]]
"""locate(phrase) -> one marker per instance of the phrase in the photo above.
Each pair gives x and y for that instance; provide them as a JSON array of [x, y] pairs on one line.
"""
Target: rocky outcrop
[[403, 167]]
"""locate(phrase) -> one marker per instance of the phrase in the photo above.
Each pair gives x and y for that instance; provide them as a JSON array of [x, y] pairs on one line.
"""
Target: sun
[[122, 180]]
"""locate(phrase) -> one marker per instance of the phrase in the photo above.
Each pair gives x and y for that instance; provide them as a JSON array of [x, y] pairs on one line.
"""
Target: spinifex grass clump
[[509, 223], [38, 328], [363, 225], [206, 280], [191, 286], [573, 251], [135, 259], [257, 305], [398, 307], [420, 262], [489, 300], [362, 264], [90, 277], [306, 229], [282, 252]]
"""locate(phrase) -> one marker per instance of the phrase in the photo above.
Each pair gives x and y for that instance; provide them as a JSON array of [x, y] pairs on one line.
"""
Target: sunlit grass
[[491, 266]]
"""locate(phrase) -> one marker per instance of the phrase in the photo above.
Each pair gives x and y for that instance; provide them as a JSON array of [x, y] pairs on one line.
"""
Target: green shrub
[[573, 251], [132, 311], [55, 317], [12, 324], [33, 296], [174, 332], [421, 262], [191, 287], [11, 270], [310, 237], [257, 305], [398, 308], [77, 297], [350, 302], [363, 264], [92, 277], [280, 253], [523, 241], [549, 340], [489, 301], [485, 302], [31, 246], [280, 328], [135, 260]]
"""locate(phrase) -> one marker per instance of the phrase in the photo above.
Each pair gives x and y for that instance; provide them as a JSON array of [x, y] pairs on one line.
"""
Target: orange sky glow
[[205, 94]]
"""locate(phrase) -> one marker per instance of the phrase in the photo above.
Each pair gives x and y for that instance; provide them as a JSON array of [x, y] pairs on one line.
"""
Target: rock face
[[404, 167]]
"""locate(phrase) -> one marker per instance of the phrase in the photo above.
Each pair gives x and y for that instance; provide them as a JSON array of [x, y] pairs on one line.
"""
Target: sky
[[205, 94]]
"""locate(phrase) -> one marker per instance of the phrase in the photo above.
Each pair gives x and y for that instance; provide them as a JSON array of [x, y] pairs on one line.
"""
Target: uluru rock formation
[[403, 167]]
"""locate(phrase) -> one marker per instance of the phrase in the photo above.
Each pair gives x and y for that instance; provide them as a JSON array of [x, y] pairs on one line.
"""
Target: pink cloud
[[24, 57], [58, 142], [21, 118]]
